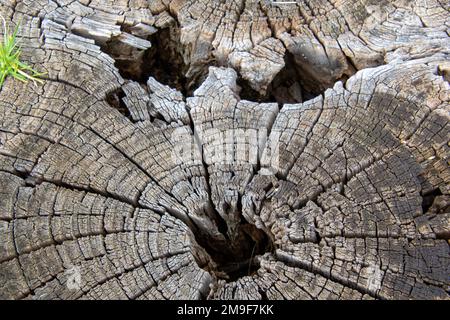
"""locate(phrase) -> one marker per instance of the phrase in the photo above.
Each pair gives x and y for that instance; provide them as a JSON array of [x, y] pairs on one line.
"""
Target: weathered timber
[[227, 150]]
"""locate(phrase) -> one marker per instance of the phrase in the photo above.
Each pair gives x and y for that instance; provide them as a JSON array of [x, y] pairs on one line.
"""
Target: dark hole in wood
[[166, 63], [288, 86], [30, 181], [129, 61], [236, 258], [429, 198], [115, 100], [163, 61]]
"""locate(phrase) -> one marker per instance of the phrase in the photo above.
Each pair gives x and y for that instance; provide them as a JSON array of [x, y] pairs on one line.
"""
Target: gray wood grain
[[333, 183]]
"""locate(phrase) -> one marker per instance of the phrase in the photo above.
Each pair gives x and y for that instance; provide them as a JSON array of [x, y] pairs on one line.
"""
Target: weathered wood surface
[[348, 199]]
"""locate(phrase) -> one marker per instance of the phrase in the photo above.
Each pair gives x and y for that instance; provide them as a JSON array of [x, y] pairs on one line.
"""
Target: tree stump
[[236, 149]]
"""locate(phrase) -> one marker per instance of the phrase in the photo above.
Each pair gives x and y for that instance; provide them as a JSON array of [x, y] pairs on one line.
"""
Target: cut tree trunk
[[184, 149]]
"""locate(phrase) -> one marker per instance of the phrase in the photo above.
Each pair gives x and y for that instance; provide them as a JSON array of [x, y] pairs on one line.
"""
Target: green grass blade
[[10, 64]]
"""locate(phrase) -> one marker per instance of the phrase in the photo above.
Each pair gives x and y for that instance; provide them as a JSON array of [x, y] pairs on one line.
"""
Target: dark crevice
[[128, 60], [34, 181], [115, 100], [233, 256], [263, 295], [168, 61], [429, 198], [236, 258], [290, 85], [210, 209], [30, 181], [222, 225], [164, 61]]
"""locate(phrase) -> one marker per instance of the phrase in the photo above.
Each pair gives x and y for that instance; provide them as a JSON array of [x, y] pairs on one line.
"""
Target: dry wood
[[227, 150]]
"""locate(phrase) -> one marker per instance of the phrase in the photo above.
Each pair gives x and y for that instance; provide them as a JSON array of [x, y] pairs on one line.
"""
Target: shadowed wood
[[227, 150]]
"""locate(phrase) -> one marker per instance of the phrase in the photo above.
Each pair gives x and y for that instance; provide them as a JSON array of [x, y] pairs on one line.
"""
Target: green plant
[[10, 64]]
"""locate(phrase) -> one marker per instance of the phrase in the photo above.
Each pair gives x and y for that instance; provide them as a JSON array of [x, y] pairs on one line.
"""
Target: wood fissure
[[227, 150]]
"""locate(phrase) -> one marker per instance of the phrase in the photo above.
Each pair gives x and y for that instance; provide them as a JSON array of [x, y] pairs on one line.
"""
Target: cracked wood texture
[[347, 196]]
